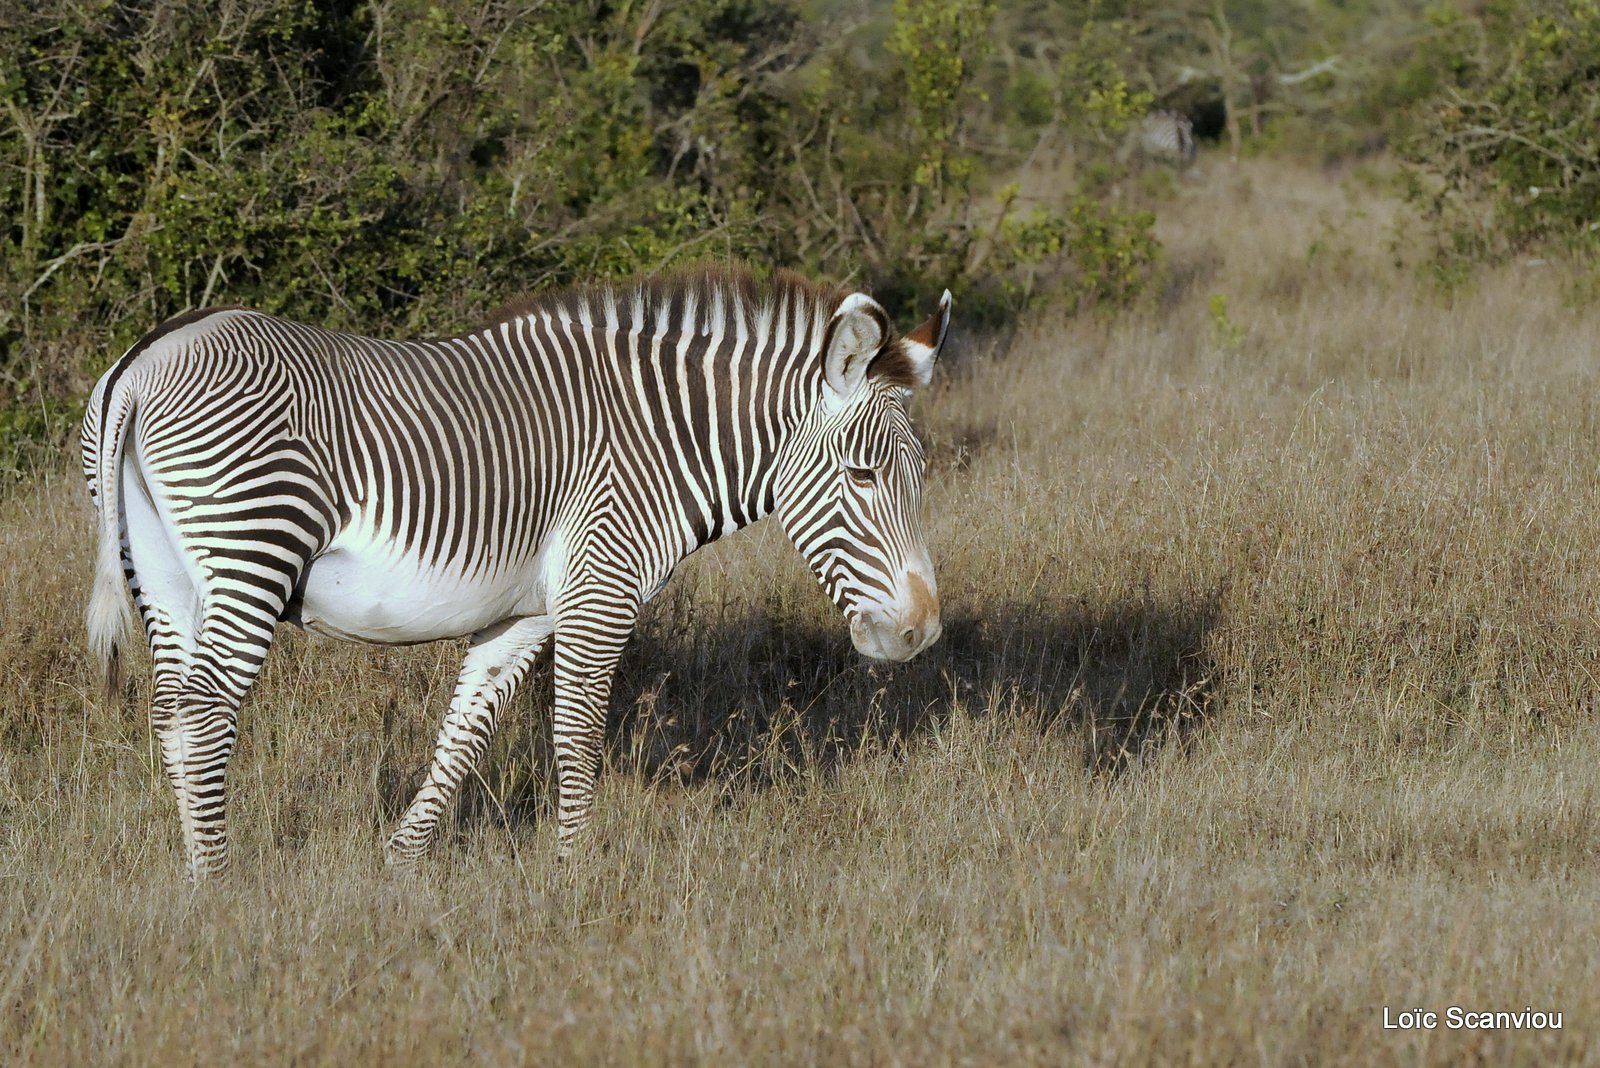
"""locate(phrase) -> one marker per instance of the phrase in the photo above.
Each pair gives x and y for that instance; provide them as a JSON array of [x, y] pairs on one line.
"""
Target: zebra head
[[848, 489]]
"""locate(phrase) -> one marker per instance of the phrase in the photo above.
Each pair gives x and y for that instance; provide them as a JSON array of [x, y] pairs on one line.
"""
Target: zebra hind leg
[[166, 694], [167, 601], [218, 557], [235, 634], [167, 700], [495, 665]]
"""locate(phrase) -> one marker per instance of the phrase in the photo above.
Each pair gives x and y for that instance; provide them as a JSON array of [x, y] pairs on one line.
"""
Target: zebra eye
[[862, 476]]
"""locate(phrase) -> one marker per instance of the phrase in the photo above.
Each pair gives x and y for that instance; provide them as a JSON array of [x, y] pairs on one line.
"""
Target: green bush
[[403, 165], [1507, 150]]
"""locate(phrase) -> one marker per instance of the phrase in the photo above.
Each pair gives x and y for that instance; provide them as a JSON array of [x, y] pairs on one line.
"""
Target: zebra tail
[[109, 619]]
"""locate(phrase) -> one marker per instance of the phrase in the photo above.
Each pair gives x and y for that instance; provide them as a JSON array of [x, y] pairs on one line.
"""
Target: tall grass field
[[1265, 712]]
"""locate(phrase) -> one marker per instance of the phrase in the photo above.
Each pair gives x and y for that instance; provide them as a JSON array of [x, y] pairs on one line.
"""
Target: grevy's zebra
[[541, 475], [1166, 137]]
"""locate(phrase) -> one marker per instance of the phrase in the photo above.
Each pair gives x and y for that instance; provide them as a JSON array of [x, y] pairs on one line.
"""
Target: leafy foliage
[[401, 165], [1509, 150]]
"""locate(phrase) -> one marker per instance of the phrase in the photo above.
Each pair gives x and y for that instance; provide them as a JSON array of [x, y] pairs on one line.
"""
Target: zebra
[[536, 478], [1163, 136]]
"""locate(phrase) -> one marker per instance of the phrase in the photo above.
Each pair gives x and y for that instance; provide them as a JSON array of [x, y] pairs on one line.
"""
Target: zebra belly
[[360, 591]]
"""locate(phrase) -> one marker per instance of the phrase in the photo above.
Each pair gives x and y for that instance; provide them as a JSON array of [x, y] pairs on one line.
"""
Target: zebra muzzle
[[899, 633]]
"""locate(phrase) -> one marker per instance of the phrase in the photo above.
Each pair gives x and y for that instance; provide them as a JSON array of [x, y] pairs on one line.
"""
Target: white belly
[[362, 590]]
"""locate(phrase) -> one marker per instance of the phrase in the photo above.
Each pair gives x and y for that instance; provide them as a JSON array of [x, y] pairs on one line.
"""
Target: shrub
[[1507, 152], [401, 165]]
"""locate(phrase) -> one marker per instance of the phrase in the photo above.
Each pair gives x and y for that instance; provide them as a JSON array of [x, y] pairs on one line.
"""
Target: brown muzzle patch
[[923, 601]]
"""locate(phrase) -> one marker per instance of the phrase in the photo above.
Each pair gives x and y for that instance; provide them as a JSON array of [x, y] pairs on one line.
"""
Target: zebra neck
[[708, 384], [730, 407]]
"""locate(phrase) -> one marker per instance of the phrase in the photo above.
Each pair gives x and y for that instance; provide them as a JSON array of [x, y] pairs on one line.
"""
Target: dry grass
[[1267, 701]]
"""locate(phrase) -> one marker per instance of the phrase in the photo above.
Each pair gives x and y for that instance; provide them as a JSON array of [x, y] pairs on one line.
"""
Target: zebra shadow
[[750, 700]]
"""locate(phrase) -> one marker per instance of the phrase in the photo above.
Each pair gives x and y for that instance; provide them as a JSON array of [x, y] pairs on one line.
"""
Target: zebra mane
[[686, 299]]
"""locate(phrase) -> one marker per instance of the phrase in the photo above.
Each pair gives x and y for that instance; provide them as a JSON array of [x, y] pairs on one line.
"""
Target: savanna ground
[[1266, 700]]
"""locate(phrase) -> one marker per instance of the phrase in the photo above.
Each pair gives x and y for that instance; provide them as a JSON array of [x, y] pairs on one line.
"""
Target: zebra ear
[[923, 343], [856, 333]]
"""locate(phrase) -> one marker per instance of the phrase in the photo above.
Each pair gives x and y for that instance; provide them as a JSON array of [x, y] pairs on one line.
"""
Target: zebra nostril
[[909, 635]]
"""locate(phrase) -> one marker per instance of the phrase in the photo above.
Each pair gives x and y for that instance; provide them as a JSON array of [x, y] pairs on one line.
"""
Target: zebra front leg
[[593, 629], [495, 666]]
